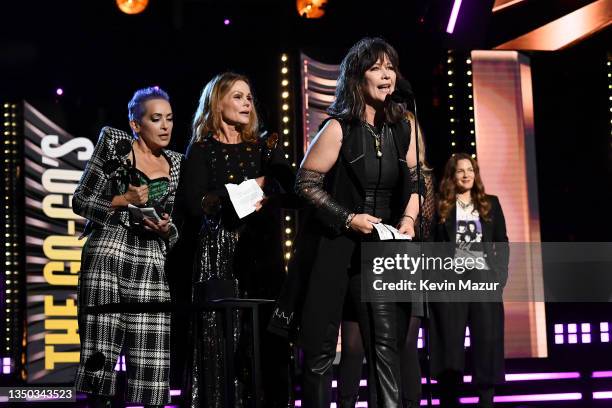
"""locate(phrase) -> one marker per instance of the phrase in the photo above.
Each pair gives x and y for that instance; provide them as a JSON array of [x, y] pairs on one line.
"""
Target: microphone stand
[[420, 234]]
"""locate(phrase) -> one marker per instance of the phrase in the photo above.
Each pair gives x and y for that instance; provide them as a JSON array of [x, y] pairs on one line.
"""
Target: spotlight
[[227, 21], [132, 6], [59, 91], [311, 8]]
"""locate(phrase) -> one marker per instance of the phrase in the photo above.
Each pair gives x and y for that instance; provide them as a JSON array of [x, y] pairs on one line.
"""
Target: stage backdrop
[[54, 162]]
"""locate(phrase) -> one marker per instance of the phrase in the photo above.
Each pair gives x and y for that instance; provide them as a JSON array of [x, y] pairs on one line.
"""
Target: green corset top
[[158, 187]]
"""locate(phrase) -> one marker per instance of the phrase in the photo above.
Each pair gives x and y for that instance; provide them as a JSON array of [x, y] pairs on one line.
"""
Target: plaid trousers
[[146, 337]]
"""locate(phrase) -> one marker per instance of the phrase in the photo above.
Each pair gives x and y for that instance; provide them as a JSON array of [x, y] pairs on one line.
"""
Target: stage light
[[227, 21], [285, 95], [132, 6], [288, 243], [286, 144], [285, 119], [285, 106], [311, 8], [59, 91], [287, 230], [284, 70], [453, 17], [284, 57], [285, 131], [287, 218]]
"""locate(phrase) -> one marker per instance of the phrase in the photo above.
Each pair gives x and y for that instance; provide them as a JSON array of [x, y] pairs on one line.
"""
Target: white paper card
[[387, 232], [244, 196]]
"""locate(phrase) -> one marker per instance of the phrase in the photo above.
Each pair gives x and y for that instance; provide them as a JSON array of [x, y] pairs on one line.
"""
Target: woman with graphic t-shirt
[[475, 221]]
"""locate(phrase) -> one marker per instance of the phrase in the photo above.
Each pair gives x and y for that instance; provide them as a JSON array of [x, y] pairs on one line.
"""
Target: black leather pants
[[318, 372], [378, 322], [381, 346]]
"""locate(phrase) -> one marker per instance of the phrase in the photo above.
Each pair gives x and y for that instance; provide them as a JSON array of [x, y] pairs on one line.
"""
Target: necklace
[[377, 138], [464, 205]]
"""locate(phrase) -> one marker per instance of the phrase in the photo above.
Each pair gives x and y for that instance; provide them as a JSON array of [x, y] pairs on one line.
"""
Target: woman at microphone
[[352, 354], [122, 283], [359, 170]]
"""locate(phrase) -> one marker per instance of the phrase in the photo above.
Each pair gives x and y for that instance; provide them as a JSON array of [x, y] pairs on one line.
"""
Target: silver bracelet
[[349, 219]]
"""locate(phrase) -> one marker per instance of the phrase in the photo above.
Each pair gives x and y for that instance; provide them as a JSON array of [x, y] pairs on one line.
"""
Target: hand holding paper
[[387, 232], [245, 196]]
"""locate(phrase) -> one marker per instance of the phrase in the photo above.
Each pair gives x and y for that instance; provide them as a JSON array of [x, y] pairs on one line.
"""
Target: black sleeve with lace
[[428, 206], [422, 188], [309, 185]]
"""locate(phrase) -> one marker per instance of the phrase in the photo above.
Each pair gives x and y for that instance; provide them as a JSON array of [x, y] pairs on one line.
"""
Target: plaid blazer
[[119, 264]]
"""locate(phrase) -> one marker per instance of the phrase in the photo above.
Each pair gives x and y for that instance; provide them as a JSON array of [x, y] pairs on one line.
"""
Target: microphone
[[403, 92]]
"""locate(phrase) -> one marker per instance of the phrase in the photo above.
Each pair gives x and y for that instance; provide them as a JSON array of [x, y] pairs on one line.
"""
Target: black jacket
[[494, 237]]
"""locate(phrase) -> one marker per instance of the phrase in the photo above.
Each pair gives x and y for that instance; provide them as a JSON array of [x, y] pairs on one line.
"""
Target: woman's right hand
[[137, 195], [363, 223]]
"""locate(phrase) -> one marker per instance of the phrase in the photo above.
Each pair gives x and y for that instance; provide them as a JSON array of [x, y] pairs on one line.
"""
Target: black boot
[[99, 401], [449, 389], [317, 379], [347, 401], [485, 397], [409, 403]]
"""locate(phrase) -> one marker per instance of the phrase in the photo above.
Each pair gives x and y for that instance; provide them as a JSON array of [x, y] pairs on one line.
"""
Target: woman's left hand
[[162, 228], [260, 203], [406, 226]]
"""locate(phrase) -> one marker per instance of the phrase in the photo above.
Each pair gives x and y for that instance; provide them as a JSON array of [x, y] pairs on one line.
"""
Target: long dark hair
[[349, 104], [448, 189]]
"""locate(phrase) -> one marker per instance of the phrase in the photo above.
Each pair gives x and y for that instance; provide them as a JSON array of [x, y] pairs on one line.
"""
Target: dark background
[[100, 56]]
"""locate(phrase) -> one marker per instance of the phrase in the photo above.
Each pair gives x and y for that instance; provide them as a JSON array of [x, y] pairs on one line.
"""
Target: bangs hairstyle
[[207, 118], [448, 189], [136, 108], [349, 104]]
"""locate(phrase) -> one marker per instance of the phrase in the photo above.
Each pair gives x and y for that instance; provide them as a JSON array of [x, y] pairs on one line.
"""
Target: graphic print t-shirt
[[468, 234]]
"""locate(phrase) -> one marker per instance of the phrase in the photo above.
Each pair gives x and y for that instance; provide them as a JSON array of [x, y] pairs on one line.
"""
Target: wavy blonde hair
[[207, 118], [448, 189]]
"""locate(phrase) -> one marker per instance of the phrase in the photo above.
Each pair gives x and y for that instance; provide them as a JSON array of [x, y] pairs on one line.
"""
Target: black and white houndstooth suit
[[122, 267]]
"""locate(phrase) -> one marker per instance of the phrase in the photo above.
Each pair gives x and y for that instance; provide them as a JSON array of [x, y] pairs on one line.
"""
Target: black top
[[231, 163], [382, 174]]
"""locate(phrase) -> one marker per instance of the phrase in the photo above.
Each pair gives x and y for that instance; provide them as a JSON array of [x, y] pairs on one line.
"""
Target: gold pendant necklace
[[377, 138]]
